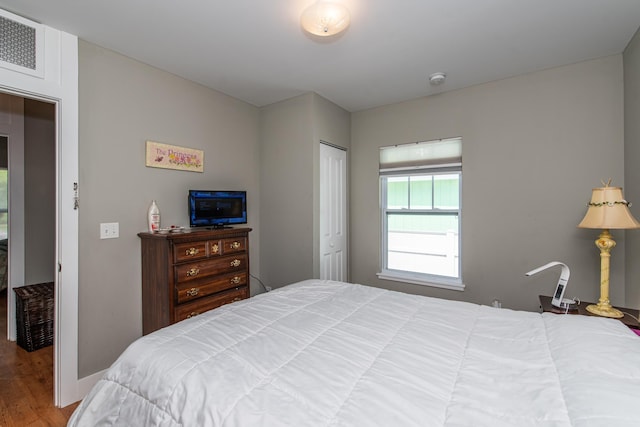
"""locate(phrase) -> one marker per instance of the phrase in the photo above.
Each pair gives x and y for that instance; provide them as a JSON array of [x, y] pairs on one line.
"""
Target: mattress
[[322, 353]]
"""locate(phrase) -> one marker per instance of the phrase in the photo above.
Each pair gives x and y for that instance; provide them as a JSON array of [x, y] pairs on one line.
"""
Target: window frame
[[427, 279]]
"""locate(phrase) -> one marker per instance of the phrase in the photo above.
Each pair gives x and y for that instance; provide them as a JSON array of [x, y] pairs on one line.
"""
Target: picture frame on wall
[[166, 156]]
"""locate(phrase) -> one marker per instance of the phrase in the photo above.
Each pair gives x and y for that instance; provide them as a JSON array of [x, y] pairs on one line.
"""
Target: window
[[420, 210]]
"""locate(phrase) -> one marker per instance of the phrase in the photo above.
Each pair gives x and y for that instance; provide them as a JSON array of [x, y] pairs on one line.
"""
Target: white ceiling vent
[[21, 44]]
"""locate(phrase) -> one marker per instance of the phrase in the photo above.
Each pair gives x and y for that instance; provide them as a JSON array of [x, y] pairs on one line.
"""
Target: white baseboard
[[86, 384]]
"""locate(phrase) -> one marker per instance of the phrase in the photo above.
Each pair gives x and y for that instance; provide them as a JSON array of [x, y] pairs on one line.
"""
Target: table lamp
[[607, 210]]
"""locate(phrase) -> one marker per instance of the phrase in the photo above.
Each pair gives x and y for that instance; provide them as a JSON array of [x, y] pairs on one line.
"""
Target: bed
[[322, 353]]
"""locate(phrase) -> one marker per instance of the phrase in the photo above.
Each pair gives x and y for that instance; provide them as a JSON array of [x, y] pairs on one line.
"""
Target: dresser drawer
[[190, 251], [210, 267], [199, 306], [192, 290], [232, 245]]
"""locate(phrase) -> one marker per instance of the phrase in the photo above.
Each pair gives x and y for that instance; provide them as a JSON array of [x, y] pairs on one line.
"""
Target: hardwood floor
[[26, 383]]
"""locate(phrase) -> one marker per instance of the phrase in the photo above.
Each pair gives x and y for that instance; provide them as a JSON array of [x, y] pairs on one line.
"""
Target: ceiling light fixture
[[437, 78], [325, 18]]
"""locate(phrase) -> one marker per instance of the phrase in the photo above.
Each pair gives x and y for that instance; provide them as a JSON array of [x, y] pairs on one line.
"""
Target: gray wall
[[32, 130], [631, 169], [291, 132], [533, 147], [39, 191], [332, 124], [286, 193], [123, 103]]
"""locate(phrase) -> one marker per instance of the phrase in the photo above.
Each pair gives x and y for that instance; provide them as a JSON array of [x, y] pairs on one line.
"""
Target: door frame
[[59, 85]]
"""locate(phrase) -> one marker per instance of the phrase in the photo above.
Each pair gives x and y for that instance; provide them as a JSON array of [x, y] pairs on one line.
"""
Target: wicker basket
[[34, 315]]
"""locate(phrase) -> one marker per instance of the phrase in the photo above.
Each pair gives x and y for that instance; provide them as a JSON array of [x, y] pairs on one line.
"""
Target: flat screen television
[[217, 209]]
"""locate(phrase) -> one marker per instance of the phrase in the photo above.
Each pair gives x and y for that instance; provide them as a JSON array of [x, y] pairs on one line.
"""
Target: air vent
[[17, 43], [20, 44]]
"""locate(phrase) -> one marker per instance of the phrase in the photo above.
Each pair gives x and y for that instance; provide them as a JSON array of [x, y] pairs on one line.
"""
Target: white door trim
[[60, 86]]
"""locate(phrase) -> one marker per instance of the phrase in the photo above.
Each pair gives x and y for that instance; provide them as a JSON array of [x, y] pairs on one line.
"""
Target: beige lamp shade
[[608, 210]]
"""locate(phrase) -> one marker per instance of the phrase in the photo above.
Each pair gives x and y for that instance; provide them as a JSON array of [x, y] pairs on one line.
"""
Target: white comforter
[[322, 353]]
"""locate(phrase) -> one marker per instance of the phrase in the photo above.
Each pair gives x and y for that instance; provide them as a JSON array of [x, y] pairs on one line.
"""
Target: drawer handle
[[192, 314], [192, 292], [235, 280], [193, 272], [192, 251], [236, 299], [234, 245], [235, 263], [215, 249]]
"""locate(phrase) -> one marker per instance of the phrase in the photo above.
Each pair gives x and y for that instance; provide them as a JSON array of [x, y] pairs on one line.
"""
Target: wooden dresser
[[187, 273]]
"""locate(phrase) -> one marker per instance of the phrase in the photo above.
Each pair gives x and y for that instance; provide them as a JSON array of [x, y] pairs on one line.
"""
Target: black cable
[[266, 289]]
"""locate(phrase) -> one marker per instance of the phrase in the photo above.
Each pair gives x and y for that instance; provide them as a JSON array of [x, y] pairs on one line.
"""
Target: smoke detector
[[437, 78]]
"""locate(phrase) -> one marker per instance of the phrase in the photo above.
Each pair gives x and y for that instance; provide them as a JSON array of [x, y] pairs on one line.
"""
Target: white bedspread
[[333, 354]]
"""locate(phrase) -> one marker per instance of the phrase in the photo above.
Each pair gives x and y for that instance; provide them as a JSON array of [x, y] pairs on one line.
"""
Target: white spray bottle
[[153, 217]]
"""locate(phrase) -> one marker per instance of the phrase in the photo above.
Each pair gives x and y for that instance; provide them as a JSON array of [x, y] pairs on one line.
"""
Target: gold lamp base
[[605, 310]]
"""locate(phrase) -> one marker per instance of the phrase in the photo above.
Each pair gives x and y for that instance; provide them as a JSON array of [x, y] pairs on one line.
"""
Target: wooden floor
[[26, 383]]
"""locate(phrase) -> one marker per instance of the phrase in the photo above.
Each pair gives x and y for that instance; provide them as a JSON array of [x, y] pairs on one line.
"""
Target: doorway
[[333, 213], [27, 199], [54, 80], [30, 197]]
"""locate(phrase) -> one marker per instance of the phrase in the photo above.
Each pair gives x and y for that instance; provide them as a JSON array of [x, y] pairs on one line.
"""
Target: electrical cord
[[577, 302], [266, 288], [632, 316]]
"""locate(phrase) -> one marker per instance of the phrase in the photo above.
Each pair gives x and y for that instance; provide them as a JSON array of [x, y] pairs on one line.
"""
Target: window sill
[[453, 284]]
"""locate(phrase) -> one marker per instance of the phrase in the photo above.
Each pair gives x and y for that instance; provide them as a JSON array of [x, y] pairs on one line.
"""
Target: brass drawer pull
[[192, 292], [192, 251], [215, 249], [192, 314], [236, 299], [235, 280], [234, 245], [193, 272], [235, 263]]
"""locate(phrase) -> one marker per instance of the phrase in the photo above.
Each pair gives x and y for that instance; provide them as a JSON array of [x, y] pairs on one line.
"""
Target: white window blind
[[440, 153]]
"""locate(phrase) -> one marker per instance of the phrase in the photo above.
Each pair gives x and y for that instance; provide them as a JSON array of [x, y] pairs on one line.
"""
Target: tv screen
[[217, 208]]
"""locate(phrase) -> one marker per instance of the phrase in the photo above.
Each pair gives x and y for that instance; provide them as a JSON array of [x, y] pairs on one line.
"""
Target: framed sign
[[173, 157]]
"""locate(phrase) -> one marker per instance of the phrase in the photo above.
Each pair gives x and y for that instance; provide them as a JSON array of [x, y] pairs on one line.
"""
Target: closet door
[[333, 213]]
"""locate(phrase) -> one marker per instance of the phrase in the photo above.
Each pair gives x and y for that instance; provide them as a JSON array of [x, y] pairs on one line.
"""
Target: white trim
[[60, 86], [66, 332], [86, 384], [417, 280], [426, 168]]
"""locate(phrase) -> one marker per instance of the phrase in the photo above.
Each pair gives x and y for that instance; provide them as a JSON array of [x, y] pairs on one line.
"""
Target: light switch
[[109, 230]]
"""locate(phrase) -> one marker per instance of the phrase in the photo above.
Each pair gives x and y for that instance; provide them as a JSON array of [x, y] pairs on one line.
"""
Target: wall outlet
[[109, 230]]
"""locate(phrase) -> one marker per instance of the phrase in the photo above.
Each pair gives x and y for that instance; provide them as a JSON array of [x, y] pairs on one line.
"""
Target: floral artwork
[[173, 157]]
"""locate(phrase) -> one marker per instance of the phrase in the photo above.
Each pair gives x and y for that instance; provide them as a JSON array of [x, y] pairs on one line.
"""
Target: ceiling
[[254, 50]]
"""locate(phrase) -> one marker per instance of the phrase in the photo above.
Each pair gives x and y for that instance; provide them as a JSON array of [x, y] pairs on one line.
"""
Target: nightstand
[[545, 305]]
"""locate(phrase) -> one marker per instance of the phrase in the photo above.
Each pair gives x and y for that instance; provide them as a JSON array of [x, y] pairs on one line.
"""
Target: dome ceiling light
[[325, 18]]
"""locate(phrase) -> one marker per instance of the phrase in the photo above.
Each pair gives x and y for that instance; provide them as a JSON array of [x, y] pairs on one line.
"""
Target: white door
[[333, 213]]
